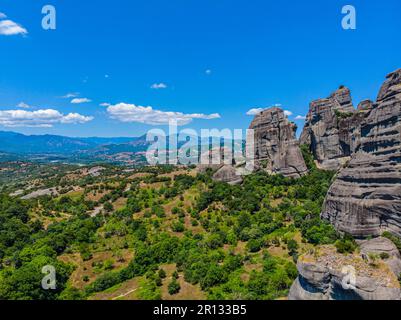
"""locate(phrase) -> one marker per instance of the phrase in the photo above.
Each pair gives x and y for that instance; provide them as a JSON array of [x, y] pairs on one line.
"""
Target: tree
[[174, 287], [254, 245], [162, 274], [108, 207]]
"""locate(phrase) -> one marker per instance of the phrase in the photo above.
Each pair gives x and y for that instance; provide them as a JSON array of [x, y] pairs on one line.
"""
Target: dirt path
[[125, 294]]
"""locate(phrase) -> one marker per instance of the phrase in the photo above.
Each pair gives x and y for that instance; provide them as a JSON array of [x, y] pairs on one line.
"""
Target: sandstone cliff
[[275, 145], [365, 199], [327, 275]]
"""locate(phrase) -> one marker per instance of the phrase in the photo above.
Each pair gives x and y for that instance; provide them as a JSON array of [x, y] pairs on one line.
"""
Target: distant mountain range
[[12, 142]]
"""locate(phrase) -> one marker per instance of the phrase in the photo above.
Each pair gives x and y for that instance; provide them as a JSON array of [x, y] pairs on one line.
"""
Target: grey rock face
[[383, 245], [365, 199], [275, 145], [330, 129], [365, 105], [342, 100], [323, 278], [228, 174]]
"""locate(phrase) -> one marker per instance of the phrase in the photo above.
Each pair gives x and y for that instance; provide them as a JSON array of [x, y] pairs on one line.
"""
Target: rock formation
[[327, 275], [365, 199], [330, 129], [228, 174], [225, 167], [275, 146]]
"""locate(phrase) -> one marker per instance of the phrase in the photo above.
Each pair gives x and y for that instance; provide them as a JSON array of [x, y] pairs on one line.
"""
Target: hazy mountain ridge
[[12, 142]]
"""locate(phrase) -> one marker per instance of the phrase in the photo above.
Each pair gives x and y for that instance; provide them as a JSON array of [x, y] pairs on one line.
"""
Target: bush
[[346, 245], [162, 274], [159, 282], [254, 245], [174, 287], [384, 255], [178, 227]]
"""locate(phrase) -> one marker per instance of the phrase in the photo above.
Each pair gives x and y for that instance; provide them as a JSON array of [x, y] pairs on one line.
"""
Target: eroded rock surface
[[275, 145], [228, 174], [330, 129], [328, 275], [365, 199]]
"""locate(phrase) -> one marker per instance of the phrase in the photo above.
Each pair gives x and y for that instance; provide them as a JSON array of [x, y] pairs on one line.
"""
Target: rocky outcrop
[[365, 105], [379, 246], [327, 275], [228, 174], [275, 146], [365, 199], [330, 129], [225, 170]]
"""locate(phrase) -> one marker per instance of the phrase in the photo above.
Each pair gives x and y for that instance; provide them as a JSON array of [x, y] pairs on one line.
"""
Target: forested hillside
[[158, 233]]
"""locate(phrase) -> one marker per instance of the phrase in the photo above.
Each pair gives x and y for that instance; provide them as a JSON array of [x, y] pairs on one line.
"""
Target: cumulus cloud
[[74, 118], [71, 95], [105, 104], [255, 111], [10, 28], [299, 117], [39, 118], [158, 86], [23, 105], [131, 113], [80, 100], [287, 113]]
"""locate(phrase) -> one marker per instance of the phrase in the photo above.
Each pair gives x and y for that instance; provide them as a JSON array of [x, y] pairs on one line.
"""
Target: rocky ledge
[[370, 274]]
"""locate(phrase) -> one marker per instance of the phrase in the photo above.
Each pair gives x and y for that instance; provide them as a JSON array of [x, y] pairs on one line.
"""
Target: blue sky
[[213, 57]]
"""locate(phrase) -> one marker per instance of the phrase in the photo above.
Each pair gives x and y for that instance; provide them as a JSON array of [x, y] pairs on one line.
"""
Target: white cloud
[[299, 117], [105, 104], [39, 118], [157, 86], [10, 28], [75, 118], [80, 100], [23, 105], [71, 95], [255, 111], [2, 15], [131, 113]]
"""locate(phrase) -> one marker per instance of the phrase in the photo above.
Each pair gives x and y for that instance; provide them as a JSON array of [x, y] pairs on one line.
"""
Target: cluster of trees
[[263, 212]]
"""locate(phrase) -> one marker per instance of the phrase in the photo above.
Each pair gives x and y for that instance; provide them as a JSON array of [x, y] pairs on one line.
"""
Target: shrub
[[346, 245], [254, 245], [174, 287], [162, 274], [384, 255]]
